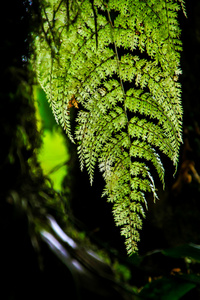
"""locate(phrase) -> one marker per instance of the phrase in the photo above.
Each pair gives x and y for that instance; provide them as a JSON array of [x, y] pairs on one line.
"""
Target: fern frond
[[130, 108]]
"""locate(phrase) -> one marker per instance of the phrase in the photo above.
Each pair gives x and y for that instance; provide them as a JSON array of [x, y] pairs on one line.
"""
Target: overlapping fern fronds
[[119, 60]]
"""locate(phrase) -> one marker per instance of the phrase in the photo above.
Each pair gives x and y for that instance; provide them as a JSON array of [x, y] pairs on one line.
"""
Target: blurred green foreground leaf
[[53, 155]]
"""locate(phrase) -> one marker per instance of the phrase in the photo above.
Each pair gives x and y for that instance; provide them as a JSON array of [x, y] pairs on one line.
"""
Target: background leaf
[[166, 289]]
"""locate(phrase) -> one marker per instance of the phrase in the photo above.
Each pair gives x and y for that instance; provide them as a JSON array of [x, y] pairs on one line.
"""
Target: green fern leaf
[[130, 110]]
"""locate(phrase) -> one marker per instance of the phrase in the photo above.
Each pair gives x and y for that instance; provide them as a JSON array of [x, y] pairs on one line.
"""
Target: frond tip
[[122, 69]]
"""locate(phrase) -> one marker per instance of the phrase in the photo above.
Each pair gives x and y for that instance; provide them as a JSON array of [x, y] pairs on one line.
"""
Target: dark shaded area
[[25, 270], [35, 272]]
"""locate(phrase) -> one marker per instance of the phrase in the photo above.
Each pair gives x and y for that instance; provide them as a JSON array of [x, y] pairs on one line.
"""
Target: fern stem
[[129, 137]]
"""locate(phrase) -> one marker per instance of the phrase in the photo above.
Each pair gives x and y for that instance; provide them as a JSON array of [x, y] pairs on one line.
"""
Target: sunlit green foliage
[[117, 62], [53, 157], [53, 154]]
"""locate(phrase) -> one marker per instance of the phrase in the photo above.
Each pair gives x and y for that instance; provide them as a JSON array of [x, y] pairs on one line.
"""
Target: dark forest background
[[29, 269]]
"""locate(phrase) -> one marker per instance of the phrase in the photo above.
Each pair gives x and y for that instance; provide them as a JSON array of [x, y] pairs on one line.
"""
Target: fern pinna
[[120, 61]]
